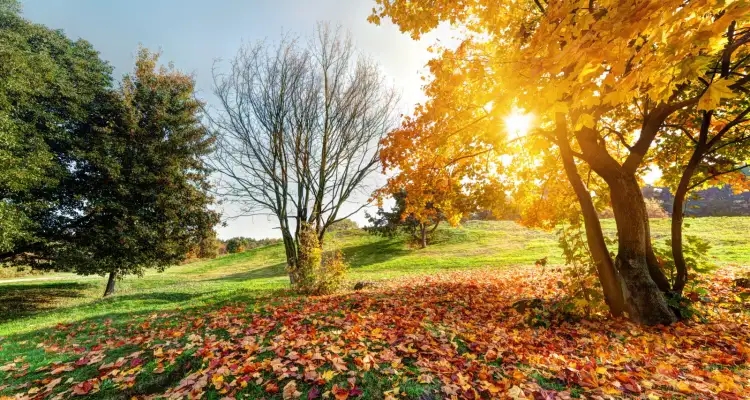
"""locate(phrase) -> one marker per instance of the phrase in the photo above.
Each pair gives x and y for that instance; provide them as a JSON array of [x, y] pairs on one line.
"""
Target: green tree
[[390, 223], [50, 87], [235, 245], [146, 181]]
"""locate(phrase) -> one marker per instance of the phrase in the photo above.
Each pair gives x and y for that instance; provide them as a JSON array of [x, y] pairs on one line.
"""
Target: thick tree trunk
[[595, 237], [678, 216], [110, 290], [645, 302]]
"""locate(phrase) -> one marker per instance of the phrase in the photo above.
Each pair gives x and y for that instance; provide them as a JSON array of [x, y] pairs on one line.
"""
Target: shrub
[[235, 245], [694, 249], [344, 225], [315, 273], [209, 248]]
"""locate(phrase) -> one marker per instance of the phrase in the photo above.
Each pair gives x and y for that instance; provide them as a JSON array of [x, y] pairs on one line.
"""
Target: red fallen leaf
[[82, 361], [355, 391], [314, 393], [339, 393], [83, 388], [136, 362], [272, 388]]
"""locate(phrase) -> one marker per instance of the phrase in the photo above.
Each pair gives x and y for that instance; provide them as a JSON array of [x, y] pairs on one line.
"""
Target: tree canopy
[[51, 90], [601, 79]]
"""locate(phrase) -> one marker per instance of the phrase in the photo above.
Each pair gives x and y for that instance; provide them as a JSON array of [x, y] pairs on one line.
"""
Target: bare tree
[[299, 130]]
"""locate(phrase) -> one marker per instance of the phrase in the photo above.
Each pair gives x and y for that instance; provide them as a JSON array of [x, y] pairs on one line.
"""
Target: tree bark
[[290, 249], [605, 268], [654, 269], [678, 217], [645, 302], [678, 214], [423, 228], [110, 289]]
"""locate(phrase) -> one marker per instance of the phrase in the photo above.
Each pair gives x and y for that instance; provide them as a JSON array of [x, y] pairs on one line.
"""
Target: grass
[[31, 310], [34, 304]]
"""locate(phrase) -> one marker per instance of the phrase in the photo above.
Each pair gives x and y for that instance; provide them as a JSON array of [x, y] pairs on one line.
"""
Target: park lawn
[[195, 313]]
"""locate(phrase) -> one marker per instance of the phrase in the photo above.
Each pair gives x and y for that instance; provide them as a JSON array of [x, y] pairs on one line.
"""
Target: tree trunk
[[290, 249], [111, 284], [423, 228], [595, 237], [678, 217], [645, 302]]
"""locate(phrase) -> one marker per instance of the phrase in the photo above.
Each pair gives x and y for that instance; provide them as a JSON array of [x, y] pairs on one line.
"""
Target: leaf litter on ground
[[452, 335]]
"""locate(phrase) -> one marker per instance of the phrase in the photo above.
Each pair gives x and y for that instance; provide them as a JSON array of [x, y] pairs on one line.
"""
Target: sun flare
[[518, 123]]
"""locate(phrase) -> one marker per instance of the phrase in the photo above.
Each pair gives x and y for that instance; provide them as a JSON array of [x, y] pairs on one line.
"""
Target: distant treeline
[[712, 202]]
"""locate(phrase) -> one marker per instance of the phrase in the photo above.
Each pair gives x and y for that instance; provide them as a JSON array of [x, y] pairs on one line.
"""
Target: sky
[[194, 34]]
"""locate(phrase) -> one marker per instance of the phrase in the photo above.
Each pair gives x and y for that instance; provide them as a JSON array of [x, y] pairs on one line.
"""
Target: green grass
[[26, 306]]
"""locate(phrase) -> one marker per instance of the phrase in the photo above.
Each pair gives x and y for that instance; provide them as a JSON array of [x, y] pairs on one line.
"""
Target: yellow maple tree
[[602, 77]]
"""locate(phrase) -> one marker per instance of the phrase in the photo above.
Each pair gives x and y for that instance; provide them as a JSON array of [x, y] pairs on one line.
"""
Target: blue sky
[[194, 33]]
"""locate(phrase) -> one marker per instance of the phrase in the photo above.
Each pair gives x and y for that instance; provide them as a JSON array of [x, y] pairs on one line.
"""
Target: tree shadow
[[17, 301], [269, 271], [374, 253], [161, 297]]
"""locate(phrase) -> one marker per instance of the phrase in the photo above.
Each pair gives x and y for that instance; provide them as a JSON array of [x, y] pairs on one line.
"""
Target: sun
[[518, 123]]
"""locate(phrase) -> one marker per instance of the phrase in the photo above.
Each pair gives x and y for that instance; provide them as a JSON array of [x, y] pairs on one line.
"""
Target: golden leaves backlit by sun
[[518, 123]]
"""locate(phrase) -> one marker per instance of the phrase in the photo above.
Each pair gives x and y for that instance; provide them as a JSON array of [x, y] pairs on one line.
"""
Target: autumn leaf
[[83, 388], [290, 391], [715, 92], [62, 368], [339, 393], [313, 393], [271, 388]]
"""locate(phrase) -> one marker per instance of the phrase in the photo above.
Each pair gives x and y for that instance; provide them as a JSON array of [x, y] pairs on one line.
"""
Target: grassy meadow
[[40, 316], [27, 304]]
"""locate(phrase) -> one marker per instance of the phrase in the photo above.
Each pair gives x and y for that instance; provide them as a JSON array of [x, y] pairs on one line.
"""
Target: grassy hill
[[58, 336], [43, 302]]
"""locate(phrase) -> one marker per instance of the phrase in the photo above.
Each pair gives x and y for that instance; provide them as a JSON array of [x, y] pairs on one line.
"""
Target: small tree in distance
[[391, 223]]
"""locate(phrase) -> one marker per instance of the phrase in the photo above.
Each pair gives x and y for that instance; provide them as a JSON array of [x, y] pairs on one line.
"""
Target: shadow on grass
[[270, 271], [161, 297], [17, 301], [375, 252]]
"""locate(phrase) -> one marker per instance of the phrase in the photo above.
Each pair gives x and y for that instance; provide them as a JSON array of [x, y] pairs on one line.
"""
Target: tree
[[585, 71], [146, 182], [51, 91], [390, 223], [235, 245], [299, 129], [345, 224], [710, 139]]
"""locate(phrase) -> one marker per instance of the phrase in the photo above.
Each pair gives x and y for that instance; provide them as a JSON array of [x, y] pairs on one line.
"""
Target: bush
[[235, 245], [344, 225], [242, 244], [10, 272], [209, 248], [315, 274]]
